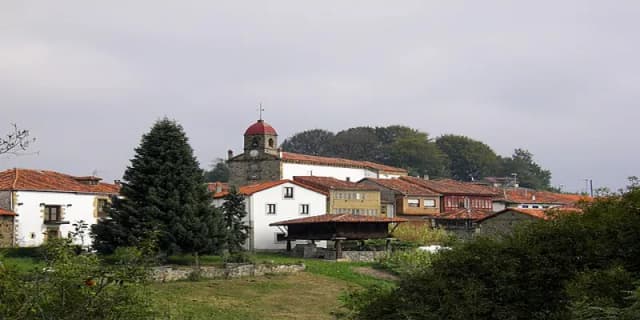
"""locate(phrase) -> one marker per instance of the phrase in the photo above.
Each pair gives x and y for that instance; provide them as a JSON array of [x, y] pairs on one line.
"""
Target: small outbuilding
[[338, 227]]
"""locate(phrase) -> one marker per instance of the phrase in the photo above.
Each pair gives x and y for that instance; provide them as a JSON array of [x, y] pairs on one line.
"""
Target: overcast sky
[[559, 78]]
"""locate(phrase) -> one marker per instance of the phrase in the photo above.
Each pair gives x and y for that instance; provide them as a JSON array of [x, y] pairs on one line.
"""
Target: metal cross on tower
[[260, 110]]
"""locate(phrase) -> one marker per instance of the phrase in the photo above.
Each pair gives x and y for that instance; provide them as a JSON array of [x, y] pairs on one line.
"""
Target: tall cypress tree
[[234, 211], [163, 195]]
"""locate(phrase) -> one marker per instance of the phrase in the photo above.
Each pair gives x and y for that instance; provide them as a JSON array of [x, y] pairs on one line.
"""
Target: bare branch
[[16, 141]]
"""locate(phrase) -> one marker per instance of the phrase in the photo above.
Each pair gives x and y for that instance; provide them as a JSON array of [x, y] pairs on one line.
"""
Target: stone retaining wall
[[229, 271]]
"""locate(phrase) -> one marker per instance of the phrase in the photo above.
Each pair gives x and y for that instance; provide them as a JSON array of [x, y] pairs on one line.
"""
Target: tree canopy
[[575, 266], [163, 195], [470, 159], [454, 156], [17, 140], [219, 172]]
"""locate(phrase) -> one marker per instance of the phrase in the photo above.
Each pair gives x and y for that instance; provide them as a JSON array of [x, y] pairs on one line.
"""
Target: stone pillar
[[339, 247]]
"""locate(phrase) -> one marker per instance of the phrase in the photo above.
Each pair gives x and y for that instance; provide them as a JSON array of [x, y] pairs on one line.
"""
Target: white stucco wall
[[264, 236], [289, 170], [30, 227]]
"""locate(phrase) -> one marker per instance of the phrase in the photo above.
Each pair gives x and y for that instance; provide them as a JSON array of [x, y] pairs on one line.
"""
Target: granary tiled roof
[[339, 218], [536, 213], [463, 214], [448, 186], [402, 186], [329, 183], [339, 162], [43, 180]]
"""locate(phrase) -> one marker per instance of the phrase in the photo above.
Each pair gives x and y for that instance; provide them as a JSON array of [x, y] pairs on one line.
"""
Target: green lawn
[[312, 294]]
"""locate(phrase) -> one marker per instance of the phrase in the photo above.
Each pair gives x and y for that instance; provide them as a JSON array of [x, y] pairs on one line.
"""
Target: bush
[[73, 286], [570, 267], [238, 257], [423, 235], [22, 252], [406, 262]]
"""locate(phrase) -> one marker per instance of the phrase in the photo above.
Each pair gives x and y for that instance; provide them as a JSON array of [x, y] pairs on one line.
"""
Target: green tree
[[234, 213], [219, 172], [360, 143], [163, 193], [529, 173], [469, 159], [313, 142], [419, 155]]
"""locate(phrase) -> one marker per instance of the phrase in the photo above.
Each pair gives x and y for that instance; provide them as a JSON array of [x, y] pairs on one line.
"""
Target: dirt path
[[378, 274]]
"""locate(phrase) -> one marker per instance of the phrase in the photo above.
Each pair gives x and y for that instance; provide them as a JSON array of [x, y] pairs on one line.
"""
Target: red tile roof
[[465, 214], [253, 188], [5, 212], [339, 218], [524, 195], [339, 162], [43, 180], [536, 213], [329, 183], [215, 186], [402, 186], [448, 186], [260, 127]]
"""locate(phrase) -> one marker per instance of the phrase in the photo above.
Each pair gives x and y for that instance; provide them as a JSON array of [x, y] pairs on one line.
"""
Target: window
[[304, 209], [288, 192], [535, 207], [429, 203], [359, 196], [280, 237], [525, 206], [271, 143], [414, 203], [271, 208], [52, 213]]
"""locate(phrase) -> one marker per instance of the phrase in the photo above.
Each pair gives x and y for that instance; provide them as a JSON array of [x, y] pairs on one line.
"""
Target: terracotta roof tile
[[339, 162], [339, 218], [402, 186], [215, 186], [536, 213], [5, 212], [448, 186], [524, 195], [42, 180], [329, 183], [466, 214], [253, 188]]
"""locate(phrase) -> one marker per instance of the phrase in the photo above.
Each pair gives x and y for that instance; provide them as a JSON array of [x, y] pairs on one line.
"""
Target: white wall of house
[[264, 236], [30, 226], [290, 170]]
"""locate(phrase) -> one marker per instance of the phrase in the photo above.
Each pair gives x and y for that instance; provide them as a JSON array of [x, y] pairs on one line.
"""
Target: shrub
[[405, 262], [238, 257], [73, 286], [423, 235]]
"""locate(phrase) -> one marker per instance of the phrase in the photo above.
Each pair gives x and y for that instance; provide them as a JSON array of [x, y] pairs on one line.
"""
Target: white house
[[274, 201], [46, 204]]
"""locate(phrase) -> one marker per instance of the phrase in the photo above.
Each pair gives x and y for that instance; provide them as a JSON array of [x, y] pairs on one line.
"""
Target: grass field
[[308, 295], [313, 294]]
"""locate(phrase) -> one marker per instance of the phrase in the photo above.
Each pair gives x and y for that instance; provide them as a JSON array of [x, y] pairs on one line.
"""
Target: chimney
[[280, 152], [533, 197], [425, 177], [117, 182], [229, 154], [218, 187]]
